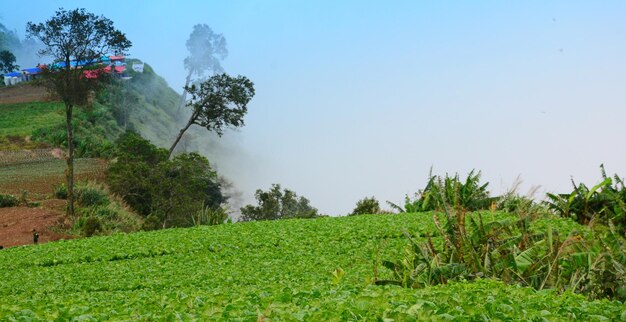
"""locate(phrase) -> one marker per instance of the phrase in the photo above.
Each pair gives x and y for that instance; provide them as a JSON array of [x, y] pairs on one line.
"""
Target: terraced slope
[[280, 270]]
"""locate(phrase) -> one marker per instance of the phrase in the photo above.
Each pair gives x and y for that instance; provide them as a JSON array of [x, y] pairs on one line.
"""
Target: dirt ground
[[23, 93], [17, 223]]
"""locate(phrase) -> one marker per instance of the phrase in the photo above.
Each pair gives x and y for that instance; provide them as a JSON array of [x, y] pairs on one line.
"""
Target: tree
[[276, 204], [366, 206], [168, 193], [81, 37], [206, 50], [7, 62], [218, 102]]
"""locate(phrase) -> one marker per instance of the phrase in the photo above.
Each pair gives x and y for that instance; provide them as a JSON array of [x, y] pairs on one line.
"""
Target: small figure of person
[[35, 237]]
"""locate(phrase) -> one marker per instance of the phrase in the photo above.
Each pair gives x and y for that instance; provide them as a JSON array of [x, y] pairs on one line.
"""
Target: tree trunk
[[183, 97], [180, 134], [70, 160]]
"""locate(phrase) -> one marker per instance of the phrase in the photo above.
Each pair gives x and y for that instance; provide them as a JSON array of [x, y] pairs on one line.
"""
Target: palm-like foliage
[[606, 201], [469, 194]]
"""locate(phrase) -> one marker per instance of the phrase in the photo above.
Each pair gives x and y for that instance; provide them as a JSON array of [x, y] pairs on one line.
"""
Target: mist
[[360, 99]]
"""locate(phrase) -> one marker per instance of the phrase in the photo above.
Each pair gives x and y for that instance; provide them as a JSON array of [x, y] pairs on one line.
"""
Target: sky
[[361, 98]]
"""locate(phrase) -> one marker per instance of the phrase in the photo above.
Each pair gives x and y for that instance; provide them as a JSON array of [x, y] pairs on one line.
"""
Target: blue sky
[[361, 98]]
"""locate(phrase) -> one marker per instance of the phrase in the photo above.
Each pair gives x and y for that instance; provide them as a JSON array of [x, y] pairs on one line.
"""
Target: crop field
[[21, 119], [274, 270], [41, 175]]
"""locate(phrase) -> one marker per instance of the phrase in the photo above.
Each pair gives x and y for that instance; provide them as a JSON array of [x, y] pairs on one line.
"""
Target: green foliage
[[166, 192], [511, 252], [273, 270], [60, 191], [23, 118], [75, 35], [7, 62], [89, 195], [470, 194], [278, 204], [366, 206], [219, 102], [8, 201], [91, 226], [605, 202], [94, 130], [210, 216]]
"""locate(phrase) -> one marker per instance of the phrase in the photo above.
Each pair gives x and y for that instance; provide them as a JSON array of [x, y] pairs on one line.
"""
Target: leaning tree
[[219, 102], [76, 40]]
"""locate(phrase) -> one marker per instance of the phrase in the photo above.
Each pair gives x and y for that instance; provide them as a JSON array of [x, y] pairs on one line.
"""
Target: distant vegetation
[[366, 206], [277, 203]]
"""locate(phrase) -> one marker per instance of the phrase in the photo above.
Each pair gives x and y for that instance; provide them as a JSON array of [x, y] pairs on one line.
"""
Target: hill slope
[[250, 271]]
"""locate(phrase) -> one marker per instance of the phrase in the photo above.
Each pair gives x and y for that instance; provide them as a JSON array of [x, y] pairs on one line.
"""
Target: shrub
[[210, 216], [165, 191], [8, 201], [366, 206], [91, 226], [89, 194], [60, 191]]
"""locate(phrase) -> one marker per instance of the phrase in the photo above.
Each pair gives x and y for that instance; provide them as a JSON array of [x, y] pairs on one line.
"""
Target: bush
[[8, 201], [60, 191], [366, 206], [91, 226], [165, 191], [210, 216], [89, 194]]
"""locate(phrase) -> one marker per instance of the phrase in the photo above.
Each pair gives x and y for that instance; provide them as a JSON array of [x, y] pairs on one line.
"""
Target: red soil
[[17, 223]]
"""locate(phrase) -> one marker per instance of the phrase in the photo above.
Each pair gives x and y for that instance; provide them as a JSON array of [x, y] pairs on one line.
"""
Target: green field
[[23, 118], [279, 270], [40, 176]]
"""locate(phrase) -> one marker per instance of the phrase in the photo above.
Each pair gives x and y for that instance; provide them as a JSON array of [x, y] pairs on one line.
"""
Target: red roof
[[117, 57], [95, 72]]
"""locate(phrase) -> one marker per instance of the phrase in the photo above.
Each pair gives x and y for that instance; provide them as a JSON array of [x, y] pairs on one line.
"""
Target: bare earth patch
[[23, 93], [17, 223]]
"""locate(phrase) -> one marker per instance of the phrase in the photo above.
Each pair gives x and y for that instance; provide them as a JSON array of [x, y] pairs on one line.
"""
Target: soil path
[[17, 224]]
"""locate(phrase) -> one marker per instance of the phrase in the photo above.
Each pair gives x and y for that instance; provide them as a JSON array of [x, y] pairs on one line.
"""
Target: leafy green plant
[[8, 201], [469, 194], [209, 216], [60, 191], [605, 201]]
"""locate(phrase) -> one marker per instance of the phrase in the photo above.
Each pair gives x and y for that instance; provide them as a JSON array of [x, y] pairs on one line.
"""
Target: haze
[[361, 98]]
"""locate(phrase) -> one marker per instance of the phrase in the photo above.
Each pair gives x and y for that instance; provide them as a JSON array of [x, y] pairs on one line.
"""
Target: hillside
[[277, 270], [32, 129]]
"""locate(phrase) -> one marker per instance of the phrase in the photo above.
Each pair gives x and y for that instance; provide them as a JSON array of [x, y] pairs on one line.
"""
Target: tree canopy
[[217, 103], [83, 38], [278, 204], [7, 62]]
